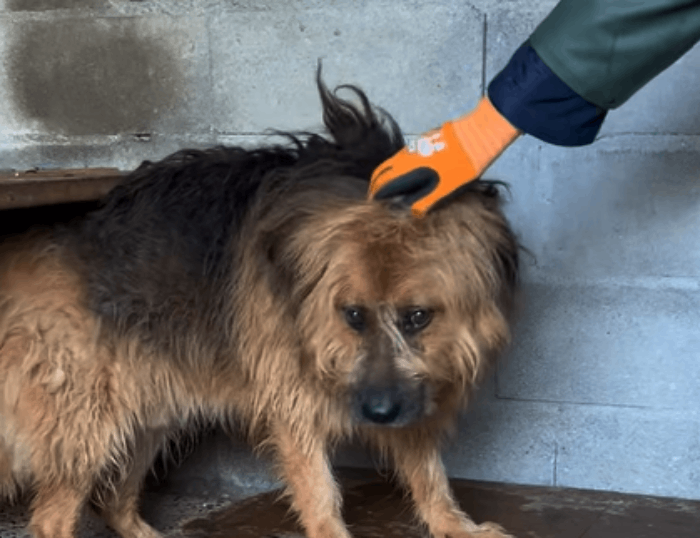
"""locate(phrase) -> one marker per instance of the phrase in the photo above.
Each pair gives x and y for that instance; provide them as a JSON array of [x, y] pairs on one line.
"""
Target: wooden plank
[[44, 187]]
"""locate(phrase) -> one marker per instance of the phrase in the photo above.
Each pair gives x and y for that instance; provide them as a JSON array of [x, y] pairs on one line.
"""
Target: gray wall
[[600, 389]]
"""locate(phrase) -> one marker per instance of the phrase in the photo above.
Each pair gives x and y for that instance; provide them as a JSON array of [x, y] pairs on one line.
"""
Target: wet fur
[[209, 287]]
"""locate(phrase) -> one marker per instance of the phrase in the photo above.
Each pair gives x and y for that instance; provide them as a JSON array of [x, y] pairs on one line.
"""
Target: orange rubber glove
[[443, 160]]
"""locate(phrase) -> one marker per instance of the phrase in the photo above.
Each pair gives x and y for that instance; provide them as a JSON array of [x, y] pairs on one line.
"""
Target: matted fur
[[221, 285]]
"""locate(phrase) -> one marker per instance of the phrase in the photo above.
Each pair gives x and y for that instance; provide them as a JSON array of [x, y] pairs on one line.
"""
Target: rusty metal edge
[[56, 190]]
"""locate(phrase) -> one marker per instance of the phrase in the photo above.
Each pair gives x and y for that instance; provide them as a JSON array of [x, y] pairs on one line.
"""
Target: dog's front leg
[[119, 505], [56, 509], [419, 466], [314, 493]]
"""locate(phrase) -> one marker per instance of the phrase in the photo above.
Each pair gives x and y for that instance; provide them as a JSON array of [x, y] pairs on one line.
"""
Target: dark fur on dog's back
[[162, 235], [226, 285]]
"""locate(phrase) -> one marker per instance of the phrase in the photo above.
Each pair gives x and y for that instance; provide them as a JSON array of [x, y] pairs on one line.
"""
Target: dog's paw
[[490, 530], [485, 530]]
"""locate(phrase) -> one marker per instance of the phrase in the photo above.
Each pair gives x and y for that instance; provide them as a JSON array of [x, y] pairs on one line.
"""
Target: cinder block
[[21, 155], [506, 30], [527, 196], [621, 208], [504, 441], [598, 447], [10, 119], [420, 61], [117, 7], [125, 153], [630, 450], [606, 344], [113, 75], [51, 5]]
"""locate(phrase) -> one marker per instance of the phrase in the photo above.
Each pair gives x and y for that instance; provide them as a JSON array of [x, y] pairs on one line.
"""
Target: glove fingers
[[410, 187], [451, 179]]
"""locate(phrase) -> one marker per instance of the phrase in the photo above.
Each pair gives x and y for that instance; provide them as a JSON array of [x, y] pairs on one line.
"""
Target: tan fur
[[84, 408]]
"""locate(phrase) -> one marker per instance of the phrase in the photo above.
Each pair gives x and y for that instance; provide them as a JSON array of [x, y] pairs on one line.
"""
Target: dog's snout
[[389, 406], [380, 406]]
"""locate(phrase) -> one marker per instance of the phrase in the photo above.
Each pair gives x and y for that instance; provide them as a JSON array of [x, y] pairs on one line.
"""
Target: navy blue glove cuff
[[533, 99]]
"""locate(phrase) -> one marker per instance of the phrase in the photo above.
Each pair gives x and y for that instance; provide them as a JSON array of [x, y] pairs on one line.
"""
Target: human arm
[[583, 59]]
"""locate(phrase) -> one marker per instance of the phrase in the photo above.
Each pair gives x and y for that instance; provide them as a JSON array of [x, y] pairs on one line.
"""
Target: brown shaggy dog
[[257, 286]]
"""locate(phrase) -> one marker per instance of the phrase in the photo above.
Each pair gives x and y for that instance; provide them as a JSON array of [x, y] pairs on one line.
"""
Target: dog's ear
[[481, 201], [291, 266], [507, 249], [276, 269]]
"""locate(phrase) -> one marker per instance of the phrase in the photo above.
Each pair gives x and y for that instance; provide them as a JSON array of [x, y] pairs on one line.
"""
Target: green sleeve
[[606, 50]]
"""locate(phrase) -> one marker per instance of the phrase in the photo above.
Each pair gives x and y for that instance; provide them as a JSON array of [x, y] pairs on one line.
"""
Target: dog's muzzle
[[392, 406]]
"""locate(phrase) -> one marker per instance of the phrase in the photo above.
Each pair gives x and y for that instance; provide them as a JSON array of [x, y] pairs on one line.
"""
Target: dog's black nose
[[379, 406]]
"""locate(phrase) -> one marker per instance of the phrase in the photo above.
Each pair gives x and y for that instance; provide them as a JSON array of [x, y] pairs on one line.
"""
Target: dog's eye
[[416, 319], [355, 317]]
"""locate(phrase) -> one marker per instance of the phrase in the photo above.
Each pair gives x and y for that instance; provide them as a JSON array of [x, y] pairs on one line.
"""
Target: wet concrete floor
[[374, 508]]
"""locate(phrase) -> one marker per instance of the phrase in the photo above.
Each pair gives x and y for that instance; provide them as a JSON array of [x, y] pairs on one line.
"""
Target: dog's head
[[404, 314], [397, 316]]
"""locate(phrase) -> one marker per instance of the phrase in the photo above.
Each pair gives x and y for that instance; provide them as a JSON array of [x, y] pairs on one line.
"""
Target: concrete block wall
[[601, 387]]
